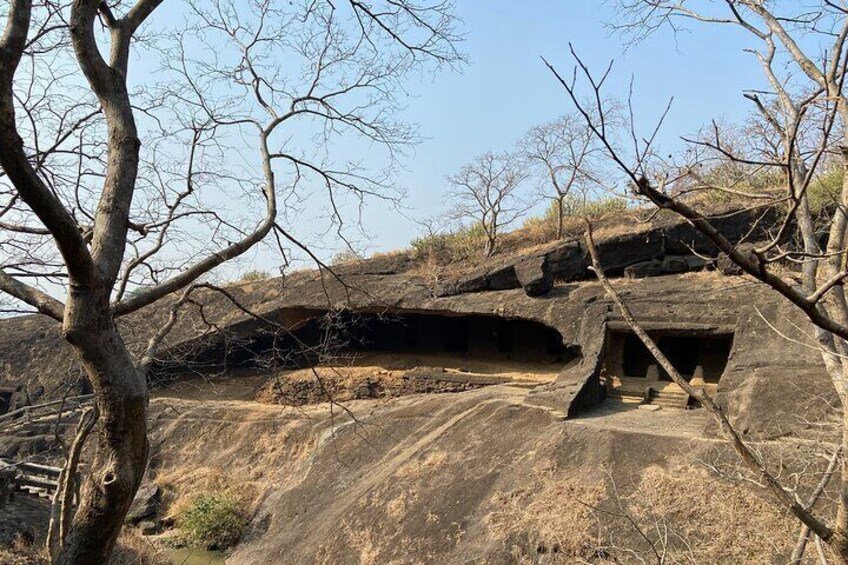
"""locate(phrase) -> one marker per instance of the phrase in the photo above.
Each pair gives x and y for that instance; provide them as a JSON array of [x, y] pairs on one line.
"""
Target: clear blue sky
[[505, 89]]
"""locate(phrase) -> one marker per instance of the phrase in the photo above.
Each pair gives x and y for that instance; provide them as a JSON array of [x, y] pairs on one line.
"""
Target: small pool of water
[[195, 556]]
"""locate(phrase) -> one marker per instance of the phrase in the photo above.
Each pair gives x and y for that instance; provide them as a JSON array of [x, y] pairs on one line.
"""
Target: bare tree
[[120, 142], [806, 114], [486, 191], [566, 154]]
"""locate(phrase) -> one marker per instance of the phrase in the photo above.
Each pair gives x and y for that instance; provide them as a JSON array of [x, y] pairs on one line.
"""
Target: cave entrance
[[476, 343], [632, 374], [308, 356], [421, 334]]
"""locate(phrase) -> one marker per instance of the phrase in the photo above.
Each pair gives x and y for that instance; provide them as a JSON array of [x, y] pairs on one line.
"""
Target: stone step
[[32, 437], [36, 491], [625, 398], [669, 399], [666, 399], [36, 482]]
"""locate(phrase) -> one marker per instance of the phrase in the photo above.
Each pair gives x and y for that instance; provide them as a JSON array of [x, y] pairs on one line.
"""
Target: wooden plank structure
[[46, 421], [46, 411]]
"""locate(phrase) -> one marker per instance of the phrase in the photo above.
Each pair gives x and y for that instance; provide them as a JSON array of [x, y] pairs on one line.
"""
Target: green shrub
[[461, 244], [825, 189], [574, 206], [545, 227], [214, 520], [740, 179]]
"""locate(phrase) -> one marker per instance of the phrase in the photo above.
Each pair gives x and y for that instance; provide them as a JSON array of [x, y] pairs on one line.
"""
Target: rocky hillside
[[511, 449], [476, 477]]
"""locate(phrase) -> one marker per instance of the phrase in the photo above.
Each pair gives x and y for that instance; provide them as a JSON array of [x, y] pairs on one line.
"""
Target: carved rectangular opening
[[631, 372], [704, 356]]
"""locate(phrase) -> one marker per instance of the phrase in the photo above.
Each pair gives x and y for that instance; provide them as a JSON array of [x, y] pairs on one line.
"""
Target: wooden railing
[[28, 478], [39, 421], [47, 410]]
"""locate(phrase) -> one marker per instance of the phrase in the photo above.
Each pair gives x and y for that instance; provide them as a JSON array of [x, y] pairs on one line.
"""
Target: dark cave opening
[[5, 400], [703, 356], [318, 336]]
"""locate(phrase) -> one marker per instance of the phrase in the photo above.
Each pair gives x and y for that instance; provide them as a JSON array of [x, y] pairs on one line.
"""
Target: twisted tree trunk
[[122, 448]]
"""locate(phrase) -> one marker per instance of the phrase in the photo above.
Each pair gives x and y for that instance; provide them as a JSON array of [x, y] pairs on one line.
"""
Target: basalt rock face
[[145, 505], [653, 248], [670, 265], [768, 375], [475, 477], [773, 366], [535, 275], [434, 463]]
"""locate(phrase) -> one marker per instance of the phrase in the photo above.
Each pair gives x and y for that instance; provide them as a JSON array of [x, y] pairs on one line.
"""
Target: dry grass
[[442, 256], [696, 518], [135, 549], [711, 278], [23, 551], [362, 542], [216, 449], [236, 449], [19, 557], [552, 516], [686, 514], [132, 549], [428, 463], [396, 508]]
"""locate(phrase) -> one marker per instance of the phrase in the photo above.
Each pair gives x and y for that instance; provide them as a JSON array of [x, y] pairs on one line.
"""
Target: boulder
[[534, 274], [662, 246], [566, 262], [683, 238], [667, 266], [620, 251], [727, 267], [145, 505], [473, 282], [686, 263], [644, 269], [502, 278], [148, 528]]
